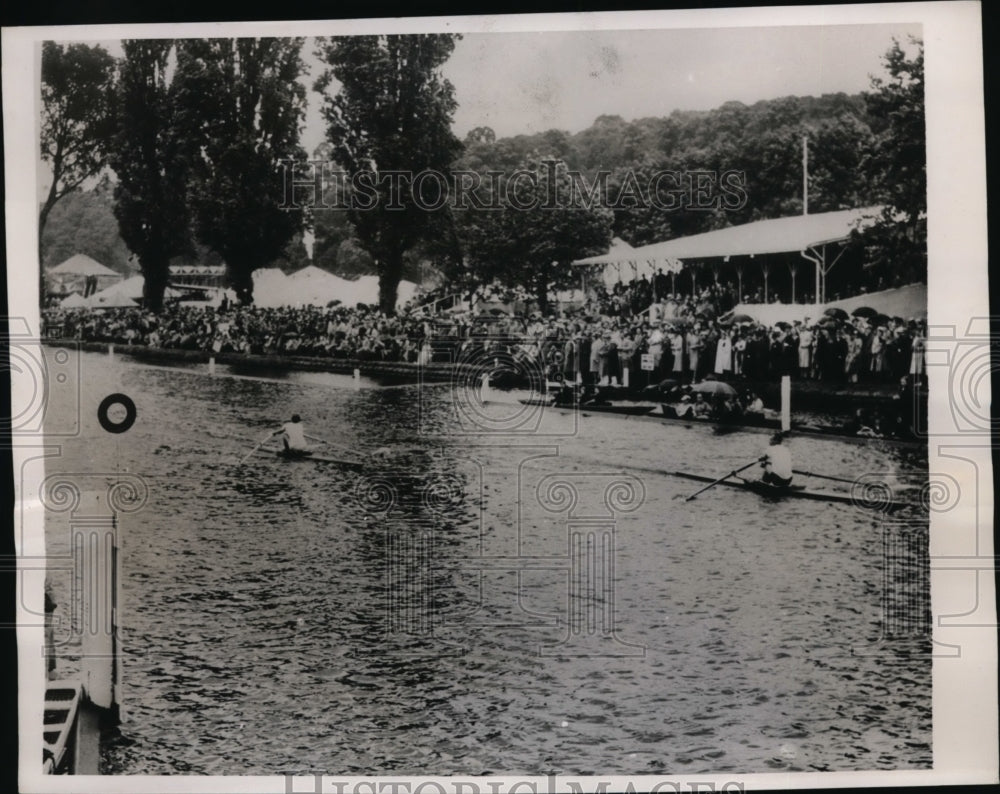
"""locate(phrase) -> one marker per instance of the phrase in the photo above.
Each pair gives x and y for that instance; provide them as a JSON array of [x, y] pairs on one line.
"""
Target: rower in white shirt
[[293, 435], [777, 463]]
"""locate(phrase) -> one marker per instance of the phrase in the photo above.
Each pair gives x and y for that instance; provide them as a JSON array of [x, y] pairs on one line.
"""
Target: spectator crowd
[[626, 330]]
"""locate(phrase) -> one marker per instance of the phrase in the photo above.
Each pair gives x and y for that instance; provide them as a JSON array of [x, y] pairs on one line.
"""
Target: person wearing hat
[[293, 435]]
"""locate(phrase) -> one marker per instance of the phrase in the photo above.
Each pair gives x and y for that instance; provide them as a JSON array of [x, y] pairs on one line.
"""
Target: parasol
[[714, 387]]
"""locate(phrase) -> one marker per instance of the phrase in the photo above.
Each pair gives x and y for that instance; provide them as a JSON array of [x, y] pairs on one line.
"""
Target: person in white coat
[[724, 353]]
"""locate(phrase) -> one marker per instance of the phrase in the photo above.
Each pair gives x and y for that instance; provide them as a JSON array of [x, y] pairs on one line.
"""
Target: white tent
[[74, 301], [366, 289], [619, 263], [908, 302], [405, 292], [128, 290], [269, 285], [74, 272], [83, 265], [109, 300], [315, 287]]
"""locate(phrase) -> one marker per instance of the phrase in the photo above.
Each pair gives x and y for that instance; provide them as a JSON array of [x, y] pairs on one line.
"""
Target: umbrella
[[782, 325], [880, 319], [828, 321], [742, 318], [714, 387], [833, 311], [864, 311]]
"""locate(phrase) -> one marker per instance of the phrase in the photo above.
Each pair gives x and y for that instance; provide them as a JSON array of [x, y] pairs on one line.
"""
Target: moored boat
[[596, 408]]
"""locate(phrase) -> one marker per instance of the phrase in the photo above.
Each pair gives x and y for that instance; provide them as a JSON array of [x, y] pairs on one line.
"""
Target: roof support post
[[815, 261]]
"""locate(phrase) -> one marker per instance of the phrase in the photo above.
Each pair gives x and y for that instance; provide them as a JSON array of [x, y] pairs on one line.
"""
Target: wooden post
[[786, 403]]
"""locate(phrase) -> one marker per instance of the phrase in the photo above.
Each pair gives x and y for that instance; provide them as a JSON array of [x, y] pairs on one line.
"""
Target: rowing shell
[[798, 492], [312, 458]]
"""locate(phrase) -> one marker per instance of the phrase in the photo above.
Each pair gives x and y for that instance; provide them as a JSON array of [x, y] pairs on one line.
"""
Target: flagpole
[[805, 175]]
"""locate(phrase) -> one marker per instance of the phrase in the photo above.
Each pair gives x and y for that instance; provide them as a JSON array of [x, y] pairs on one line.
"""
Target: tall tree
[[242, 107], [77, 94], [148, 159], [391, 112], [898, 166], [532, 241], [84, 222]]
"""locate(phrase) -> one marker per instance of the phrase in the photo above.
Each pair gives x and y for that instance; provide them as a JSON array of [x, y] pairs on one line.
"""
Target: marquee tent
[[74, 301], [103, 300], [808, 235], [315, 287], [906, 302], [269, 287], [82, 265], [620, 263], [909, 302], [74, 272], [128, 290]]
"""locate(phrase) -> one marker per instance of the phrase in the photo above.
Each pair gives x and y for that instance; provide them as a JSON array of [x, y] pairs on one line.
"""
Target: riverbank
[[807, 395]]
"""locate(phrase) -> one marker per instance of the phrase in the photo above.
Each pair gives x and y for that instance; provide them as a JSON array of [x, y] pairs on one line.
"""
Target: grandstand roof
[[773, 236]]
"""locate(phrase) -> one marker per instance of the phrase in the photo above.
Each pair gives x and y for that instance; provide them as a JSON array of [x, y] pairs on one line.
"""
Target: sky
[[529, 82], [523, 83]]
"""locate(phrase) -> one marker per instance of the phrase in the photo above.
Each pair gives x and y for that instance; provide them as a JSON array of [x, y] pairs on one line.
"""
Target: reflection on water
[[445, 611]]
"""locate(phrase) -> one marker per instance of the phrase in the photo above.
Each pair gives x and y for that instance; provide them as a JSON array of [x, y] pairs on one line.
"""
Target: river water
[[501, 590]]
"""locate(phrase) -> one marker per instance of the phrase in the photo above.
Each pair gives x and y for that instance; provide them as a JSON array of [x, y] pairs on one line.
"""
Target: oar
[[323, 441], [329, 443], [262, 443], [731, 474], [823, 476]]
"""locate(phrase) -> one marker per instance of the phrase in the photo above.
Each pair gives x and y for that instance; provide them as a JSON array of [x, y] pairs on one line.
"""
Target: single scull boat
[[311, 457], [801, 492]]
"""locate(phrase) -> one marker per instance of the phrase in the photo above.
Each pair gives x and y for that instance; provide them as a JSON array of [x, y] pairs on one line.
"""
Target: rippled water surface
[[425, 616]]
